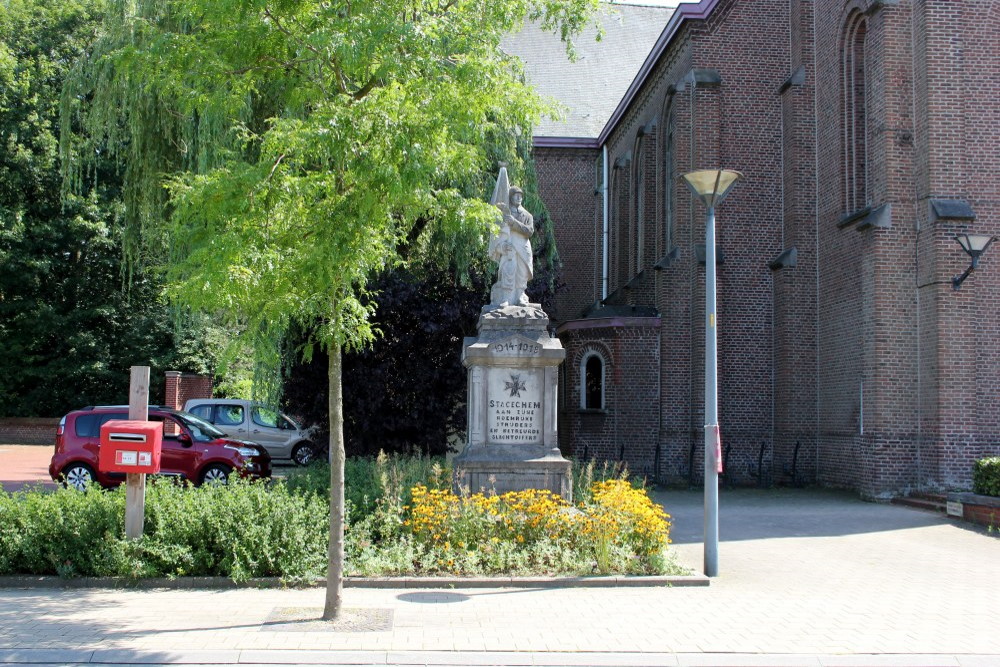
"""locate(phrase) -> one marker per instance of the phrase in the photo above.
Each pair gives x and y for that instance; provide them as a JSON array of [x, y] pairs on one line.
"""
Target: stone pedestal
[[513, 388]]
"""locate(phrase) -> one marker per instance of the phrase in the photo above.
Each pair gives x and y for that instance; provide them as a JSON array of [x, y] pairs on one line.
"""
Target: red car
[[193, 449]]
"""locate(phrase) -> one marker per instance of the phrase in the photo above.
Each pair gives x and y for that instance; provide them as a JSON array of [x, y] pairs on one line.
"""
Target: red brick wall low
[[28, 431], [981, 514]]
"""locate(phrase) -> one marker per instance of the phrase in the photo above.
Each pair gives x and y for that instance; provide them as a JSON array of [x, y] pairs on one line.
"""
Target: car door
[[266, 429], [177, 458]]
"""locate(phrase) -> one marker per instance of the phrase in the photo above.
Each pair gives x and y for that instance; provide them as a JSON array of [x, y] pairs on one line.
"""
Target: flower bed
[[395, 527]]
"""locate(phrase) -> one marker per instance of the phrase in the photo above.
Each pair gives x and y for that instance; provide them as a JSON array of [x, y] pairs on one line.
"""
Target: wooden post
[[135, 483]]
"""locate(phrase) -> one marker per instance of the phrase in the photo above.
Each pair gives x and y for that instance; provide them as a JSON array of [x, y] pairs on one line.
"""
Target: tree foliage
[[304, 144], [68, 329]]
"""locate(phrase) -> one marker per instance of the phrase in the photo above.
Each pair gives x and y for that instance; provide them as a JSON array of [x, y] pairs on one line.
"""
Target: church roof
[[590, 88]]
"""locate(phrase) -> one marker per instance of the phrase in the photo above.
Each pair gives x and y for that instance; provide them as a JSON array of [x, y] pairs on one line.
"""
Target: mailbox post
[[133, 447]]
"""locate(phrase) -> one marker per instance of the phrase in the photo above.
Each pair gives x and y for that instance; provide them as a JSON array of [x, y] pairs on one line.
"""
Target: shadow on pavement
[[751, 514]]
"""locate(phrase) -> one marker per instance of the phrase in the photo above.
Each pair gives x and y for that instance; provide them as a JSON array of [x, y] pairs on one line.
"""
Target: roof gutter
[[565, 142]]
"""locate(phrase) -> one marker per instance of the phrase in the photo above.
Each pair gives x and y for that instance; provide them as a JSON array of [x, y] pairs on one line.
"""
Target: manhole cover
[[309, 619]]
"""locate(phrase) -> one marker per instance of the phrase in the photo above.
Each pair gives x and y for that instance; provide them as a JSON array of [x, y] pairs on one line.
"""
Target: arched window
[[592, 382], [620, 220], [669, 176], [854, 115], [639, 203]]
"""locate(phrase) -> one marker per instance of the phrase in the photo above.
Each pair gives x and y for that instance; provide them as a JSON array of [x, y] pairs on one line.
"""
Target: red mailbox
[[130, 446]]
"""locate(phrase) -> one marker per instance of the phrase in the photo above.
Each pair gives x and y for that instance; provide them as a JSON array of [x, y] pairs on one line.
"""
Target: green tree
[[68, 329], [304, 144]]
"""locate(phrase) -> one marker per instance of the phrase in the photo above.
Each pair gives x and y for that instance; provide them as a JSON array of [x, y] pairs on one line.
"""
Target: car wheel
[[304, 453], [77, 476], [216, 474]]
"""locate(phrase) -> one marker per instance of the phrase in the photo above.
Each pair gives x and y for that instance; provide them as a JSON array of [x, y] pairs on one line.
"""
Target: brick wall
[[28, 431], [180, 387], [958, 81], [626, 428], [857, 358], [567, 185]]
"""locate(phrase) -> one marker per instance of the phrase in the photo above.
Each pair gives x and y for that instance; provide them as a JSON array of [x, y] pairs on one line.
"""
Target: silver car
[[251, 421]]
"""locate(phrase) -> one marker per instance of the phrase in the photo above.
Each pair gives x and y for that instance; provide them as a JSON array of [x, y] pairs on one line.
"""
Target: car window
[[88, 426], [200, 429], [287, 424], [171, 429], [228, 415], [203, 411], [264, 417]]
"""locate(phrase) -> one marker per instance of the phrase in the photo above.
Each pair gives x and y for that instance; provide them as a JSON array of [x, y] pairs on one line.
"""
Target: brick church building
[[868, 134]]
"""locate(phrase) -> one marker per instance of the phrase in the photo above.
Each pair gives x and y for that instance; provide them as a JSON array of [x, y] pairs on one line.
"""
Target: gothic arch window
[[616, 213], [592, 381], [639, 203], [669, 175], [854, 113], [620, 220]]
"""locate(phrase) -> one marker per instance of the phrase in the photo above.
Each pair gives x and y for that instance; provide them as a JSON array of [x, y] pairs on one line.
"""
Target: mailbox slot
[[126, 437]]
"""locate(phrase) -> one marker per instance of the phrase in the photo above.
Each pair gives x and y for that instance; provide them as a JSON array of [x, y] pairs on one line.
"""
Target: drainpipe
[[604, 218]]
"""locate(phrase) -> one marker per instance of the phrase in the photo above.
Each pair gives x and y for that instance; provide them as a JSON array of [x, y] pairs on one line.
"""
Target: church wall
[[957, 60], [567, 183], [624, 428], [851, 356]]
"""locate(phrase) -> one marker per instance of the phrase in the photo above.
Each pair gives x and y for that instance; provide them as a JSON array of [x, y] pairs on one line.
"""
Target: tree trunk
[[335, 567]]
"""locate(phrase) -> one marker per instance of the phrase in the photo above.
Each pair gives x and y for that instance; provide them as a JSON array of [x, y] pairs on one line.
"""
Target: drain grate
[[309, 619]]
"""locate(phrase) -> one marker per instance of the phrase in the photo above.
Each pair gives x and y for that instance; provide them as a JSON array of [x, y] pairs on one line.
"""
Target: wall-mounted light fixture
[[975, 245]]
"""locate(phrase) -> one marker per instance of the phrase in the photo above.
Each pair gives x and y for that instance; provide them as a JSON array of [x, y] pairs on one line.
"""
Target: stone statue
[[511, 248]]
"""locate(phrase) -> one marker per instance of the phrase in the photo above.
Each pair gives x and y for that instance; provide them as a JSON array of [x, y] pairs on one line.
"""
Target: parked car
[[192, 449], [253, 422]]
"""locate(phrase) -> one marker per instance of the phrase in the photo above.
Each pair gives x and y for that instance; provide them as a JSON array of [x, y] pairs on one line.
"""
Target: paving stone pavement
[[806, 578]]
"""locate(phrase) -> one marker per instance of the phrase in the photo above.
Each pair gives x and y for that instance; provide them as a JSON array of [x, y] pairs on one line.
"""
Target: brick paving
[[806, 578], [24, 465]]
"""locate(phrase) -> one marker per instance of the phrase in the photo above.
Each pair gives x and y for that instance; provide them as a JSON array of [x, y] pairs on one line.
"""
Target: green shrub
[[402, 519], [65, 533], [242, 530], [986, 476]]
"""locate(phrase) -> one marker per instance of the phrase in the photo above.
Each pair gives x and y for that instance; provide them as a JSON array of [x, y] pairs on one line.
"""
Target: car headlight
[[245, 452]]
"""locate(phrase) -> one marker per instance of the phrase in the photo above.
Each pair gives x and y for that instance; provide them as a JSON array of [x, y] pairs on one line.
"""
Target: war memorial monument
[[513, 373]]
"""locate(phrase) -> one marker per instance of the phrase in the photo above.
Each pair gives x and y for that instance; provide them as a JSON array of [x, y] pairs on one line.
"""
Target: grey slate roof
[[591, 87]]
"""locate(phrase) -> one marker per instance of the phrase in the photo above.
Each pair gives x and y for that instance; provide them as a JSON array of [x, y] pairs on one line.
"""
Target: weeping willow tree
[[278, 153]]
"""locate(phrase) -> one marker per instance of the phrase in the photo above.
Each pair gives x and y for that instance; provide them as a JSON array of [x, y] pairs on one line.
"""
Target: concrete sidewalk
[[806, 578]]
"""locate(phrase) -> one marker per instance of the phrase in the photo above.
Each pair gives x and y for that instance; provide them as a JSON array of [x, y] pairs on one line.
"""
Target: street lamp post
[[711, 186]]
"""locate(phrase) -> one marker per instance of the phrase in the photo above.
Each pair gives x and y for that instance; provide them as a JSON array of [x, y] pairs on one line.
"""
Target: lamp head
[[974, 245], [711, 185]]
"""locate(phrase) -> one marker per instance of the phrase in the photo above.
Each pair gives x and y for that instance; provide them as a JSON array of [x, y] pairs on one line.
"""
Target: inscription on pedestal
[[514, 407], [516, 348]]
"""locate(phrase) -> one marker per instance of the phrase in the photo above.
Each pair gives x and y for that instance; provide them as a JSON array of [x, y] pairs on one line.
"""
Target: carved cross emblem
[[514, 386]]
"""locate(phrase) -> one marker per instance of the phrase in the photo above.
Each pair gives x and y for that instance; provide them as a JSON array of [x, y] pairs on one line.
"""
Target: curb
[[355, 582], [455, 658]]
